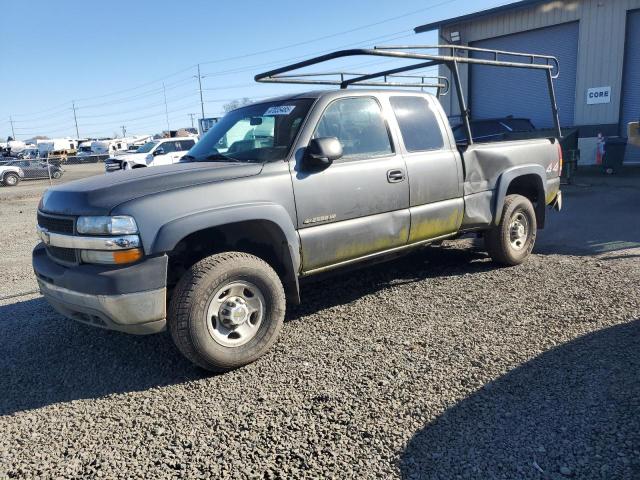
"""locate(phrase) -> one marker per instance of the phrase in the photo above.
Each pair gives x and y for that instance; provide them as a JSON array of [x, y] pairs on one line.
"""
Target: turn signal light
[[127, 256], [561, 160], [118, 257]]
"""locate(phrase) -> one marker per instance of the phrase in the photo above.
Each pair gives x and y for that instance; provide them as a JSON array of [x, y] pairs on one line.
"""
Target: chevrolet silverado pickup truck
[[212, 248]]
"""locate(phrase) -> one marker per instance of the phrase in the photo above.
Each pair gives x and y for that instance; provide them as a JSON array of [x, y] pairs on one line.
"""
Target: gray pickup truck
[[212, 248]]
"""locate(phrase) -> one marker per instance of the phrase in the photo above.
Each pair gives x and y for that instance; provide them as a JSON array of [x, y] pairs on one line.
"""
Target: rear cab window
[[418, 123]]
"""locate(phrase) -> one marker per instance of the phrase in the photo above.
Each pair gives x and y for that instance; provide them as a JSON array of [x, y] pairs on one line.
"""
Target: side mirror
[[158, 151], [322, 152], [634, 133]]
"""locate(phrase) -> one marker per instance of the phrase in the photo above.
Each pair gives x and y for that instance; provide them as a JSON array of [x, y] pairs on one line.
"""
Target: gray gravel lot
[[435, 366]]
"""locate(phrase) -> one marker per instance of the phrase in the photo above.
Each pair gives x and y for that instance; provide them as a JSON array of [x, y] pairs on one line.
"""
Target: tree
[[227, 107]]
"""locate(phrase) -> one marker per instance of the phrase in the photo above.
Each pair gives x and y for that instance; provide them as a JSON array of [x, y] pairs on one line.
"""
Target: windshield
[[256, 133], [147, 147]]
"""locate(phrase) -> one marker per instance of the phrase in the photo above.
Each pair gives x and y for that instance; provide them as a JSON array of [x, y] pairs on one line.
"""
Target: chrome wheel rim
[[518, 231], [11, 180], [235, 313]]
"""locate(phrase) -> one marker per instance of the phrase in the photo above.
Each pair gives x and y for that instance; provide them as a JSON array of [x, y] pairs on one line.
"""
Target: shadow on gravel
[[450, 260], [47, 359], [576, 406]]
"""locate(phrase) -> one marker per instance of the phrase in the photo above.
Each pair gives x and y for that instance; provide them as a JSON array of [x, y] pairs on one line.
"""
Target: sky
[[111, 59]]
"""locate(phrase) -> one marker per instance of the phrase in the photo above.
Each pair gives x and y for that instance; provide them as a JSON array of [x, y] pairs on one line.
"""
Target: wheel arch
[[526, 180], [265, 231]]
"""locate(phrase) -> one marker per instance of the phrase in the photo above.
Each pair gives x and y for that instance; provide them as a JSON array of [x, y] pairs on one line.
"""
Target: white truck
[[84, 149], [163, 151], [10, 175]]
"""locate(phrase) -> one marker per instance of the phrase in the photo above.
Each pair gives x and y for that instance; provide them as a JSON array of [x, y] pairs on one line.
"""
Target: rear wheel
[[227, 311], [11, 179], [511, 242]]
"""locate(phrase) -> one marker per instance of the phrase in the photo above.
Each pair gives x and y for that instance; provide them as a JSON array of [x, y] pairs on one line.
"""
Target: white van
[[163, 151]]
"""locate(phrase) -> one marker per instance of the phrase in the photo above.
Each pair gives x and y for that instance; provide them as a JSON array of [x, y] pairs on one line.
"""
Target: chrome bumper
[[138, 313]]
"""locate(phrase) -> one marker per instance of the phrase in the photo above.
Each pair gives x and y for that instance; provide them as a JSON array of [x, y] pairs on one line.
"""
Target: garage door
[[499, 92], [631, 82]]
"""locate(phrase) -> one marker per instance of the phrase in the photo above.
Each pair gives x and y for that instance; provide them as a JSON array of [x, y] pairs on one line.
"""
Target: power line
[[284, 47], [325, 37]]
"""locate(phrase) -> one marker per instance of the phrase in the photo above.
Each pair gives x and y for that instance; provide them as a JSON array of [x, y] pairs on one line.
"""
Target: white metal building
[[597, 43]]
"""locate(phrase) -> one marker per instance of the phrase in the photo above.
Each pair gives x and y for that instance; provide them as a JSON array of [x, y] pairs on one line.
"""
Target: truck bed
[[486, 164]]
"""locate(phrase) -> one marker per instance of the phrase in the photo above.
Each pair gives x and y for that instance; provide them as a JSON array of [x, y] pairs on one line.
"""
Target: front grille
[[56, 224], [112, 165], [66, 255]]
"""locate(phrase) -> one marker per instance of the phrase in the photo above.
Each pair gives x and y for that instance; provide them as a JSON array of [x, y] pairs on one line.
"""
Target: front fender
[[172, 232], [511, 174]]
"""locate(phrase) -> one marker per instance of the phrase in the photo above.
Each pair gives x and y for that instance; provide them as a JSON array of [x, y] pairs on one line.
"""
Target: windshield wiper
[[218, 156], [187, 158]]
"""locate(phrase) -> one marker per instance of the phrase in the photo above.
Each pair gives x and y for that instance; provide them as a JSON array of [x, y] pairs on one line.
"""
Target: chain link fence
[[50, 170]]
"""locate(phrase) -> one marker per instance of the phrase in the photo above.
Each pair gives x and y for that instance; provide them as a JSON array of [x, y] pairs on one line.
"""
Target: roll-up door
[[631, 82], [499, 92]]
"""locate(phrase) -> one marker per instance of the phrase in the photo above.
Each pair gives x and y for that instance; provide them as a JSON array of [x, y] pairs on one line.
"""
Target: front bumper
[[112, 165], [128, 299]]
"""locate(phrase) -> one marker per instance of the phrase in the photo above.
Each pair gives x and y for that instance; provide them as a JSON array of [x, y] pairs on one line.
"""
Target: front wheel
[[227, 311], [11, 179], [511, 242], [56, 175]]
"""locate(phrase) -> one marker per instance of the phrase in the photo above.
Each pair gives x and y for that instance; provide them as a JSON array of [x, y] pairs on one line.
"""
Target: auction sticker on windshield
[[280, 110]]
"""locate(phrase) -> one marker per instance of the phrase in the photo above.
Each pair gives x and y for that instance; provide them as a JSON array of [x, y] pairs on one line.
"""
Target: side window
[[186, 144], [418, 123], [168, 147], [359, 126]]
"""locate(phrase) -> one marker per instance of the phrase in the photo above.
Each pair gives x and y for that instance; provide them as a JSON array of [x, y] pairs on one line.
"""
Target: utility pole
[[75, 119], [166, 110], [200, 88], [124, 131], [191, 115], [13, 133]]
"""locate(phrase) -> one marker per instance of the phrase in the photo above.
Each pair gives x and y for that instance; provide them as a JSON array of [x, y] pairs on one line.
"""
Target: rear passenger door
[[359, 204], [184, 147], [433, 168]]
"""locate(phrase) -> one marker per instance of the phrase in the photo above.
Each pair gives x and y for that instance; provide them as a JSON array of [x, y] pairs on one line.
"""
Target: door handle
[[395, 176]]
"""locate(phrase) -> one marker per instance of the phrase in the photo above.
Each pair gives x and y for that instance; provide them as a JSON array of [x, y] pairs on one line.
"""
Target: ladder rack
[[449, 55]]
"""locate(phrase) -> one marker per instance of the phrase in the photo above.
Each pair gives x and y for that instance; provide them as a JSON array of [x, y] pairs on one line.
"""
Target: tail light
[[560, 159]]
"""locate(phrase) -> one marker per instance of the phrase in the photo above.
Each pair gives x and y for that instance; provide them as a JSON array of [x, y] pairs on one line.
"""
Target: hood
[[99, 194]]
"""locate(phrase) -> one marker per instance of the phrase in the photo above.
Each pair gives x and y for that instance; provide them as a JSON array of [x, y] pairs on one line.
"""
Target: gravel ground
[[436, 366]]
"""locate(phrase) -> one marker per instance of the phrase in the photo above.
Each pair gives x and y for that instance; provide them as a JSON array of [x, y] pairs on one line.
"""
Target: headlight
[[118, 225]]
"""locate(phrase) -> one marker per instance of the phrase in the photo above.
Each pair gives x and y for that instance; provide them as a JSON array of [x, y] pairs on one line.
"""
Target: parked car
[[10, 175], [275, 192], [34, 169], [164, 151]]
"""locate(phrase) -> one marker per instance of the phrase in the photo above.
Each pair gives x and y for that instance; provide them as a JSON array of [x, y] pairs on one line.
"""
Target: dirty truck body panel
[[401, 182]]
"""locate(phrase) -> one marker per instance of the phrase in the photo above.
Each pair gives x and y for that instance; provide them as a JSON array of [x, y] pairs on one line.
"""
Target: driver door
[[359, 205], [166, 157]]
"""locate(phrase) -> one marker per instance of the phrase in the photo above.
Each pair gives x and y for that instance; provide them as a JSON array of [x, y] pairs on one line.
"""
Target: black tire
[[11, 179], [57, 174], [188, 322], [502, 247]]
